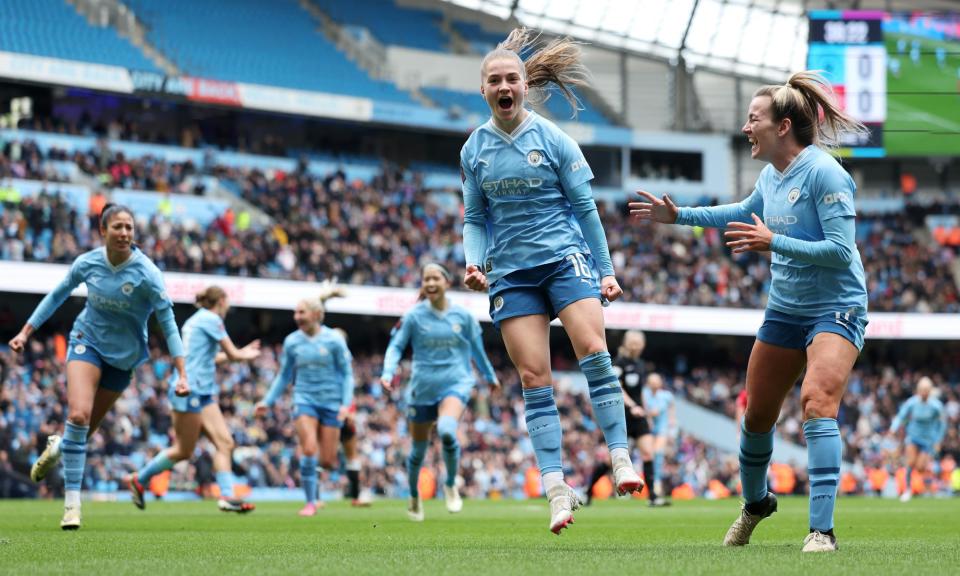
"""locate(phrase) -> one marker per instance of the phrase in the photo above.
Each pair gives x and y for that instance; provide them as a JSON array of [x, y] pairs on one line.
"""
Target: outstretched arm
[[666, 212], [50, 303]]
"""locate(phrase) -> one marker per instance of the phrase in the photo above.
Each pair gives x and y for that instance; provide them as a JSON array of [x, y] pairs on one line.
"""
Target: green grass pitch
[[924, 101], [613, 537]]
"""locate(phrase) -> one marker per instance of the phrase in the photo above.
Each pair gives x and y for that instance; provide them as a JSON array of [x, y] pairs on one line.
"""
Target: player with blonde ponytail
[[546, 255], [316, 359], [801, 210]]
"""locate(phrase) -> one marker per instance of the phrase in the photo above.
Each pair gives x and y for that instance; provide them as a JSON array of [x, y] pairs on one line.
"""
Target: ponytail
[[558, 63], [809, 102], [209, 297]]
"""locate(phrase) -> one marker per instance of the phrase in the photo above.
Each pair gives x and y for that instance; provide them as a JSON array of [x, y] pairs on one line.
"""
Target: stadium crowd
[[498, 459], [378, 233]]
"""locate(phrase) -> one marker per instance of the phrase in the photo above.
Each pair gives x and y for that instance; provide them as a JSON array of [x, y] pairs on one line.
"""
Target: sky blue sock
[[447, 429], [308, 478], [755, 452], [657, 466], [414, 462], [74, 449], [606, 396], [824, 450], [158, 464], [543, 426], [909, 479], [225, 483]]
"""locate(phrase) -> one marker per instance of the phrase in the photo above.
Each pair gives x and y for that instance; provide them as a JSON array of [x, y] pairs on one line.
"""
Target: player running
[[316, 359], [108, 341], [444, 337], [207, 344], [925, 423]]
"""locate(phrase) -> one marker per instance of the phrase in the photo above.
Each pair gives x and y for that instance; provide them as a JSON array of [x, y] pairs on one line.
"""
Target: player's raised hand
[[474, 279], [260, 410], [387, 383], [654, 209]]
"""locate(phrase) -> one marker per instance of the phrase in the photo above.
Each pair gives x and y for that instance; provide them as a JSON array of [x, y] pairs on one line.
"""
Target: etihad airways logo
[[512, 186], [777, 220]]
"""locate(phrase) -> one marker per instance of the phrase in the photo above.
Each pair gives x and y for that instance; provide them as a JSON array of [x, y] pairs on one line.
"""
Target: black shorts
[[348, 430], [637, 427]]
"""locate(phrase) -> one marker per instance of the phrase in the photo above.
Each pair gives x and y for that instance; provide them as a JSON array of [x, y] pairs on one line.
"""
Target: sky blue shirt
[[202, 334], [528, 193], [120, 300], [659, 401], [443, 344], [815, 268], [926, 421], [321, 368]]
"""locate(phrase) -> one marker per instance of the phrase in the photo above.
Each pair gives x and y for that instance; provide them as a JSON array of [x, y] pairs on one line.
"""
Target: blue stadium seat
[[273, 43], [55, 29], [469, 102], [391, 24], [481, 40]]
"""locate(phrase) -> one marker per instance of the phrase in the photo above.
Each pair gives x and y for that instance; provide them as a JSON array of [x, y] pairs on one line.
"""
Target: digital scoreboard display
[[848, 46], [898, 73]]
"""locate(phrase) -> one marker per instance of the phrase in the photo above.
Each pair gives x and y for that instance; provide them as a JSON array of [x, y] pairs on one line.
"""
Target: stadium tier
[[54, 28], [390, 23], [275, 44]]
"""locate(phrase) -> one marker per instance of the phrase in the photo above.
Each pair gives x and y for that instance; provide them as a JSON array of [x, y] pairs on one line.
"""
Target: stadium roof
[[753, 38]]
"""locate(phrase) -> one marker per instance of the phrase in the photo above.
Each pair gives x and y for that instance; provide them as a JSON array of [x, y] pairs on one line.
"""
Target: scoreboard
[[848, 47]]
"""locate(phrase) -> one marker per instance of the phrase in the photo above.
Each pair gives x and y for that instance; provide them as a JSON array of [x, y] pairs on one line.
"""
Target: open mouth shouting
[[505, 103]]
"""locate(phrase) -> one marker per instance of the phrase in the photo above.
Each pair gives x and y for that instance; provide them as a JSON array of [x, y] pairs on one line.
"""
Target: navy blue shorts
[[191, 403], [545, 289], [922, 445], [326, 416], [111, 377], [423, 413], [797, 332]]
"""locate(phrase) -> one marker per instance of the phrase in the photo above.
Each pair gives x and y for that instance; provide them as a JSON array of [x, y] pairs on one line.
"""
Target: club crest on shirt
[[323, 351], [457, 328], [127, 289], [793, 195], [498, 303], [535, 158]]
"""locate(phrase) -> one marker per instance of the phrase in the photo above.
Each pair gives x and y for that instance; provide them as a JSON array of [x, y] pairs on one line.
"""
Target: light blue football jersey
[[202, 334], [516, 186], [443, 344], [812, 190], [120, 300], [659, 401], [321, 368], [926, 421]]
